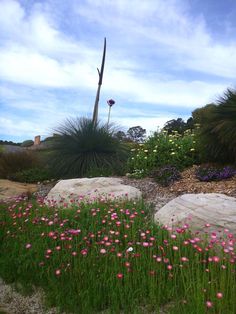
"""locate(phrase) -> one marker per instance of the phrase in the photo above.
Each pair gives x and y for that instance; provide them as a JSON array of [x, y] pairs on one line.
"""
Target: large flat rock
[[90, 189], [215, 209], [10, 189]]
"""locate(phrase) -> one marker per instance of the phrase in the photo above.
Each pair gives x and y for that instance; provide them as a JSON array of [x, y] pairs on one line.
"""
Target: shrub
[[166, 175], [214, 174], [137, 174], [32, 175], [82, 147], [218, 128], [161, 149], [27, 143], [11, 163]]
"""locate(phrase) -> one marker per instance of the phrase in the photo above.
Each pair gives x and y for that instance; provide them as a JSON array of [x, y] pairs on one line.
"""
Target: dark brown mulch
[[187, 184], [190, 184]]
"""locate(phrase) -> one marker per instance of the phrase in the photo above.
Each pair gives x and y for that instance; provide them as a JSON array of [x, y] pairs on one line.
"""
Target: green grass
[[1, 149], [112, 258]]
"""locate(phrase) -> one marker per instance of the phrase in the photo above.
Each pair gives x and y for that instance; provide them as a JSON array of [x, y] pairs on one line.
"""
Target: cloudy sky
[[164, 59]]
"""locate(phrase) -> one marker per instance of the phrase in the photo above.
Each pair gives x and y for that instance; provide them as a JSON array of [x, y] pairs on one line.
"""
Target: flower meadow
[[110, 257]]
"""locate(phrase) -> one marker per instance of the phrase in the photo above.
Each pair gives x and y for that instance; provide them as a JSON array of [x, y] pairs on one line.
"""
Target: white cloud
[[36, 53], [21, 128], [20, 65], [156, 91], [11, 11], [166, 25], [34, 59], [33, 69], [35, 30]]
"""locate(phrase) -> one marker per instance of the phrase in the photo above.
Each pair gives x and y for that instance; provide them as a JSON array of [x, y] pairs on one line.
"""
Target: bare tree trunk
[[100, 74]]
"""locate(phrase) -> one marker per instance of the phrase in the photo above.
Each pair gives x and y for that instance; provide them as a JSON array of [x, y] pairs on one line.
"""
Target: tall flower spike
[[110, 103], [100, 75]]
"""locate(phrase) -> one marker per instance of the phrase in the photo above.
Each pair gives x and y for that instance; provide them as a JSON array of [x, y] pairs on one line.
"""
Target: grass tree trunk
[[100, 74]]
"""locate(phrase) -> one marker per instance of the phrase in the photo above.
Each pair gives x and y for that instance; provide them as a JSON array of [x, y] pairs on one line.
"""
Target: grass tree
[[84, 148], [218, 128], [225, 115]]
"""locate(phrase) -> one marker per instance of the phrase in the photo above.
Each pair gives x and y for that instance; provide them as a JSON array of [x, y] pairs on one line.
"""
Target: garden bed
[[16, 303], [190, 184], [111, 258]]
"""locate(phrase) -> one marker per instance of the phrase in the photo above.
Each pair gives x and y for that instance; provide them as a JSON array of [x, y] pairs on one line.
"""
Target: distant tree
[[9, 143], [175, 125], [190, 123], [136, 133], [120, 135], [179, 125], [201, 114]]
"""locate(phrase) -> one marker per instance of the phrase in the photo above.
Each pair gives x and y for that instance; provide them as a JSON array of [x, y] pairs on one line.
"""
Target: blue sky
[[165, 58]]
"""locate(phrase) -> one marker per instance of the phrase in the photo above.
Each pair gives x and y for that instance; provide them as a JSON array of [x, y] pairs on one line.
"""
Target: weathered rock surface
[[12, 189], [88, 190], [215, 209]]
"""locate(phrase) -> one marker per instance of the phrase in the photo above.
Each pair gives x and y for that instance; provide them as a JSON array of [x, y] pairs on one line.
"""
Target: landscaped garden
[[110, 257]]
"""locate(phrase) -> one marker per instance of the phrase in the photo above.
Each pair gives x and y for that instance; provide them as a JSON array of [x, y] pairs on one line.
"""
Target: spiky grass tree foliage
[[226, 117], [82, 148], [217, 135]]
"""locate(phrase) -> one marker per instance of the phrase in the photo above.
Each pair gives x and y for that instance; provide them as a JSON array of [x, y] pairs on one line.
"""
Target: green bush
[[32, 175], [11, 163], [27, 143], [82, 148], [161, 149]]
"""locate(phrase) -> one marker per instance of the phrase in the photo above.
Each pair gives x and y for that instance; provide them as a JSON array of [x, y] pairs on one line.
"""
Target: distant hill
[[9, 143]]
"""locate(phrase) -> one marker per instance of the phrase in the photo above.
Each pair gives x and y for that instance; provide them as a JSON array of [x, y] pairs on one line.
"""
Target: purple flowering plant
[[207, 174]]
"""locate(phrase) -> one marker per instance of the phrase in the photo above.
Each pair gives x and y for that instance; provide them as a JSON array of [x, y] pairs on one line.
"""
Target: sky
[[164, 59]]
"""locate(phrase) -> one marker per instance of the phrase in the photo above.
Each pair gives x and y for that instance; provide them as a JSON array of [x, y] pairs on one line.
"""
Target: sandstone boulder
[[197, 210], [10, 189], [91, 189]]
